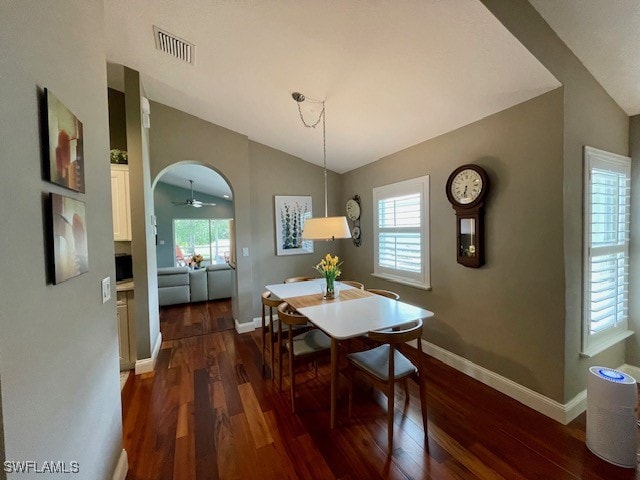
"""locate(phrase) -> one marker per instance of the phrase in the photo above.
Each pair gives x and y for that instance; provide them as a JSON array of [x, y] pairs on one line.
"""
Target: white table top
[[298, 289], [352, 318]]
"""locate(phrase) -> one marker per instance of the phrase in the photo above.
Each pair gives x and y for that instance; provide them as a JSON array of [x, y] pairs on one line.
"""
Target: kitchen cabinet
[[120, 202], [126, 326]]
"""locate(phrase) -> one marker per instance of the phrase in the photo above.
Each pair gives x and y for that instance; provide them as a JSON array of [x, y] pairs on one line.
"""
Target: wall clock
[[352, 209], [466, 189]]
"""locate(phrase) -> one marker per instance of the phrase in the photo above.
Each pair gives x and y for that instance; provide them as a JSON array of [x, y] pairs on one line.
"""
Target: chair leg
[[292, 379], [273, 365], [263, 338], [280, 359], [390, 399], [350, 379], [423, 404], [405, 383]]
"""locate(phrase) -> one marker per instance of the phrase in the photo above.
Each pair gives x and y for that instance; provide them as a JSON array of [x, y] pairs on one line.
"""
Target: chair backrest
[[411, 331], [289, 316], [269, 301], [353, 284], [384, 293], [298, 279]]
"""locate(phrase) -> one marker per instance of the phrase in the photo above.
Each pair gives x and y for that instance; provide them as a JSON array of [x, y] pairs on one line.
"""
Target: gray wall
[[166, 212], [179, 137], [633, 343], [3, 474], [274, 172], [59, 344], [255, 173], [143, 248], [591, 118], [508, 315]]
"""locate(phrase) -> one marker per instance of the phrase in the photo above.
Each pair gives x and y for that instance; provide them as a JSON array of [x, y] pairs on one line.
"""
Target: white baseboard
[[245, 327], [252, 325], [630, 370], [120, 473], [149, 364], [257, 322], [562, 413]]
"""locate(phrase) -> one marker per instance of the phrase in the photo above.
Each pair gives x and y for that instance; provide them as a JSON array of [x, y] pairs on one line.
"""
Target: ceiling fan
[[192, 202]]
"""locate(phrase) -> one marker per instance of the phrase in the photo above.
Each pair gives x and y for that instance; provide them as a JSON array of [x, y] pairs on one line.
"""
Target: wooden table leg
[[334, 380]]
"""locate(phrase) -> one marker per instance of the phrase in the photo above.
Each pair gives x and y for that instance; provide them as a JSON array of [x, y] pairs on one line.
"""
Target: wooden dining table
[[352, 314]]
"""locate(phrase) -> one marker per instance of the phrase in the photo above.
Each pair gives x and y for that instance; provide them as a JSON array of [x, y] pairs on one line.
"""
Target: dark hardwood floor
[[181, 321], [207, 413]]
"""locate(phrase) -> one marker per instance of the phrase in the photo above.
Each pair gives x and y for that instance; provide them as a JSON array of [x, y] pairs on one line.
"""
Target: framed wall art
[[70, 256], [64, 140], [290, 215]]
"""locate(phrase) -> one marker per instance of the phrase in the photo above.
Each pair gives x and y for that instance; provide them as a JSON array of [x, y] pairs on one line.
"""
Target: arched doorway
[[193, 207], [194, 215]]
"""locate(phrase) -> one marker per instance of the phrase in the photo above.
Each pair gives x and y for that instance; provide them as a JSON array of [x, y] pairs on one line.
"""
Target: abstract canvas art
[[291, 213], [69, 230], [65, 143]]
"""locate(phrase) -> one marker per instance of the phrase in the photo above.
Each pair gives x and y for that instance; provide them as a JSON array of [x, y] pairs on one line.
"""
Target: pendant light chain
[[324, 158], [322, 117]]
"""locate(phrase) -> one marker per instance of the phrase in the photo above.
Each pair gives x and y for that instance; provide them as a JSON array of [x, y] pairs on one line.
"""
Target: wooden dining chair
[[272, 329], [307, 346], [353, 283], [385, 365], [269, 302], [384, 293], [298, 279]]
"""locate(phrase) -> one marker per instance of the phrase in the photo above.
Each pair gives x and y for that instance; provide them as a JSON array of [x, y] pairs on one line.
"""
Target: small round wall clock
[[352, 209], [466, 189]]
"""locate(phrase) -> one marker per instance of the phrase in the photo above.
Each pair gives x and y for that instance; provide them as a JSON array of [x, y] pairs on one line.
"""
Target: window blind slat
[[607, 220]]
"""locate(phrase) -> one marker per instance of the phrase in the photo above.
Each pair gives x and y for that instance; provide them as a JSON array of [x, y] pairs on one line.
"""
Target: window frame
[[594, 343], [209, 220], [406, 187]]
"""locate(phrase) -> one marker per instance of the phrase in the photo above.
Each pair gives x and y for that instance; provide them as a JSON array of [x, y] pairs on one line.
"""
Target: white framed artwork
[[290, 214]]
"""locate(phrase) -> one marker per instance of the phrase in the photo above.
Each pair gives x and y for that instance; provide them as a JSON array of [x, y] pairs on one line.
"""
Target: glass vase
[[330, 291]]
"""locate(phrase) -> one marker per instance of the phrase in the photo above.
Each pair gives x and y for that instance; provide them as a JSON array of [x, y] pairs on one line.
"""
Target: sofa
[[173, 285], [178, 285], [218, 281]]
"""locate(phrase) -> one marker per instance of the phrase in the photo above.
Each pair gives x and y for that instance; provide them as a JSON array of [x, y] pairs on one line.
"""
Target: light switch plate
[[106, 289], [245, 251]]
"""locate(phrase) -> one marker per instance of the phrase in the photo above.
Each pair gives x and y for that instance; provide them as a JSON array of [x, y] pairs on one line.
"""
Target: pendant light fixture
[[322, 228]]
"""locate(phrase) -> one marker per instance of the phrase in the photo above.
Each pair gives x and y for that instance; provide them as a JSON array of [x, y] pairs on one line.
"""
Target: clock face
[[353, 209], [466, 186]]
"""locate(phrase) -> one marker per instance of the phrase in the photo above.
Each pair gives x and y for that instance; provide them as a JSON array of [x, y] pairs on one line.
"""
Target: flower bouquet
[[329, 268], [196, 260]]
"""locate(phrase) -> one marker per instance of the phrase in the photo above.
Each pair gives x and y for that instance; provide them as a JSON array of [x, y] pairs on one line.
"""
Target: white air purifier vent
[[174, 46], [612, 413]]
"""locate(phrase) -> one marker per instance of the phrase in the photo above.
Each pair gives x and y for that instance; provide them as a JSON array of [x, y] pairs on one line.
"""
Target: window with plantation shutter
[[607, 204], [401, 233]]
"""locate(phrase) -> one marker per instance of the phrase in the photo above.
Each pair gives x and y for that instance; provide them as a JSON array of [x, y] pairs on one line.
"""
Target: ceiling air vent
[[174, 46]]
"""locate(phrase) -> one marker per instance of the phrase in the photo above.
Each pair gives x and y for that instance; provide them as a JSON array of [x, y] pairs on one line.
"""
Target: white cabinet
[[121, 204]]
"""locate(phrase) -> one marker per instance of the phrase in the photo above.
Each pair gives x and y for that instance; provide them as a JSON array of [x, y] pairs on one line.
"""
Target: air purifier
[[612, 415]]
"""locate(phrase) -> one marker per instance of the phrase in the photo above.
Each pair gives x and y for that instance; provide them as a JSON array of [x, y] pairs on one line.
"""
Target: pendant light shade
[[326, 228], [322, 228]]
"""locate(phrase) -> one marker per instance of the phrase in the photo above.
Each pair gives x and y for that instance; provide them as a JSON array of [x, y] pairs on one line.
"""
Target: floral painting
[[291, 213], [66, 154], [69, 229]]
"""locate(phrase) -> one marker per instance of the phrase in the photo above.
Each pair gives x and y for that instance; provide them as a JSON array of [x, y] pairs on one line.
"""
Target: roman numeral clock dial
[[466, 190]]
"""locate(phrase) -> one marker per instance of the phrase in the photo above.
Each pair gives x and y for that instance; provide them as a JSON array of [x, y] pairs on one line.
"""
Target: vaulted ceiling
[[393, 74]]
